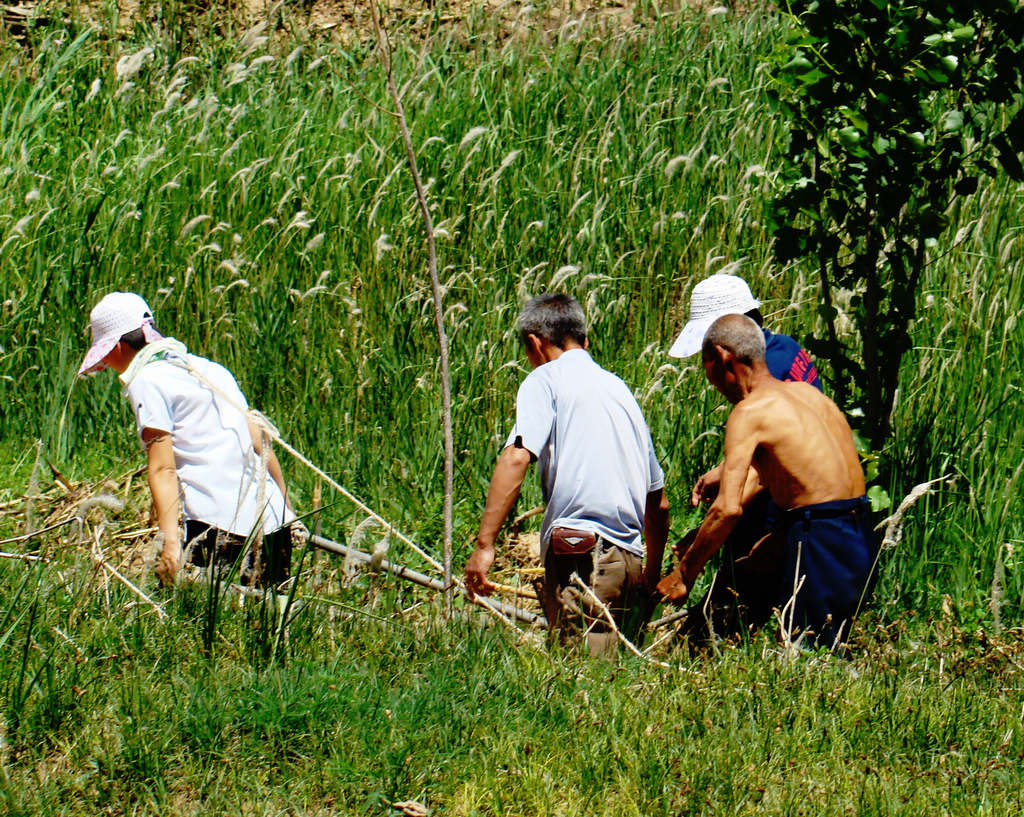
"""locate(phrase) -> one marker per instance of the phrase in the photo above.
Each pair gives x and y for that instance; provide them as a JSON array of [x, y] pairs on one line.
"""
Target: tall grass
[[253, 189], [109, 709]]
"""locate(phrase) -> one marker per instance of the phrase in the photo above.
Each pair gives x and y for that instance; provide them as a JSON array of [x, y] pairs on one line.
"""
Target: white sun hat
[[116, 315], [711, 299]]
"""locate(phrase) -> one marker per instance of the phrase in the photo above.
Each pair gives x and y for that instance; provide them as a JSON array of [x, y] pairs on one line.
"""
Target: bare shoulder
[[752, 412], [811, 396]]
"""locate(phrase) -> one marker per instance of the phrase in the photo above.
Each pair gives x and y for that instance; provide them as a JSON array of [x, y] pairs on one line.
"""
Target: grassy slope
[[637, 173], [259, 200], [133, 716]]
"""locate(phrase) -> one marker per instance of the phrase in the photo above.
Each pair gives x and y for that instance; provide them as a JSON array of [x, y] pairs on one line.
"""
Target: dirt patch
[[334, 19]]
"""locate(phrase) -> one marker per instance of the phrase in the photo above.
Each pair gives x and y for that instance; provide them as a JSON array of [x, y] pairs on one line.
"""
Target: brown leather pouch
[[570, 542]]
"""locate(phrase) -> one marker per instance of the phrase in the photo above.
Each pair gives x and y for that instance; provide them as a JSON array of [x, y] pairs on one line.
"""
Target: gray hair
[[554, 317], [737, 333]]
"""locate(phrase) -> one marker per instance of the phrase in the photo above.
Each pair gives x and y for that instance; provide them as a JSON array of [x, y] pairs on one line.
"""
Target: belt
[[826, 510]]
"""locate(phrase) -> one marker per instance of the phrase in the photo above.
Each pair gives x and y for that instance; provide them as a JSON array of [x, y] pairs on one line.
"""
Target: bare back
[[799, 443]]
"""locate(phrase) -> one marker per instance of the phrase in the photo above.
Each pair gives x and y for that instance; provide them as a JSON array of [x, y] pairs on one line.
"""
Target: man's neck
[[753, 378], [548, 351]]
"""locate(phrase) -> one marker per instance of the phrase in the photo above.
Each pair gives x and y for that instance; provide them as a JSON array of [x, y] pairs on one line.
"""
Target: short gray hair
[[555, 318], [737, 333]]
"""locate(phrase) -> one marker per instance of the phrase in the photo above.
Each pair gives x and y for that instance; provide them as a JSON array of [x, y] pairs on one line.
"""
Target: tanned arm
[[656, 517], [742, 436], [163, 485], [501, 496], [273, 465]]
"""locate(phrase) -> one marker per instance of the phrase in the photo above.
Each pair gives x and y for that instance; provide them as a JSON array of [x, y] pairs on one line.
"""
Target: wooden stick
[[522, 592], [35, 533], [438, 296], [587, 591], [102, 560], [529, 514], [669, 619], [27, 557]]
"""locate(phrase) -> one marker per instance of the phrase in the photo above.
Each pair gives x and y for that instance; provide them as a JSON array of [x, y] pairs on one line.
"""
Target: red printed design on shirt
[[802, 369]]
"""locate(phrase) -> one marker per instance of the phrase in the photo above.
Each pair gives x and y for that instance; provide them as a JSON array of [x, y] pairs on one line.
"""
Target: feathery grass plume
[[996, 593], [32, 489], [130, 64], [107, 502]]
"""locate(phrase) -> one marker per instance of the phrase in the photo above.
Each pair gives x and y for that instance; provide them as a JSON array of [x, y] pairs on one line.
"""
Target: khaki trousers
[[614, 575]]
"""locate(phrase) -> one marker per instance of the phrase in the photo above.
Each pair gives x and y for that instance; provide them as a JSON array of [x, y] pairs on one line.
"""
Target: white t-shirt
[[218, 468], [597, 461]]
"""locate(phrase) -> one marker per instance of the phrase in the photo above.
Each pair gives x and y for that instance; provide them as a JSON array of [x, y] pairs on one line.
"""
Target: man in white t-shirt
[[606, 507], [202, 448]]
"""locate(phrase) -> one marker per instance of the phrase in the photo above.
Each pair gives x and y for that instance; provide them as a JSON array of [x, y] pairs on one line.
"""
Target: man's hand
[[476, 571], [706, 487], [679, 548], [673, 588], [299, 533], [168, 564], [652, 575]]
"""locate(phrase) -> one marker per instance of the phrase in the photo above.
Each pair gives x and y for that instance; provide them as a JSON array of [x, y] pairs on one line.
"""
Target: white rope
[[275, 435]]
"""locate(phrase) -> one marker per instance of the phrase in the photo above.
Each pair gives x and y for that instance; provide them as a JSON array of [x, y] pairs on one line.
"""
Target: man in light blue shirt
[[606, 507]]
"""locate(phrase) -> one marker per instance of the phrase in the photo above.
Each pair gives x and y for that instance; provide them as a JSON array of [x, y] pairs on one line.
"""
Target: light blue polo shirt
[[594, 450]]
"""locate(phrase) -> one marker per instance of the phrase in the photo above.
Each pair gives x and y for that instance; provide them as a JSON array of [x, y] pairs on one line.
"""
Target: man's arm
[[742, 436], [706, 487], [273, 465], [163, 485], [501, 496], [656, 516]]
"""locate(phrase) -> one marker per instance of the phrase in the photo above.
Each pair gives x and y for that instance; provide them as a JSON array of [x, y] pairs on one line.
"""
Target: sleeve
[[535, 416], [151, 406], [657, 475]]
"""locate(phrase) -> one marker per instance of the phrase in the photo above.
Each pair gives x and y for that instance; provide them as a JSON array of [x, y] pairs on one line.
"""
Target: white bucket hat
[[711, 299], [116, 315]]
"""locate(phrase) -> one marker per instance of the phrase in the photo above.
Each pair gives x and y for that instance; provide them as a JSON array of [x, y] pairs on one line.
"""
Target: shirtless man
[[737, 599], [793, 441]]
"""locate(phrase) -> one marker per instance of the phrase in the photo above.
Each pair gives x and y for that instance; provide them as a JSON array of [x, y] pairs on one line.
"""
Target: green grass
[[255, 192], [132, 715], [264, 209]]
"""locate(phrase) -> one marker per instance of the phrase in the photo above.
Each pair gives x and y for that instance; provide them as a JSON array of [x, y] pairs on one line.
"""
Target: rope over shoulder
[[176, 354]]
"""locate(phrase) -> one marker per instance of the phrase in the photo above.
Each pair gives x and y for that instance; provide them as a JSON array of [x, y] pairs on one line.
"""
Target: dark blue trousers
[[831, 547]]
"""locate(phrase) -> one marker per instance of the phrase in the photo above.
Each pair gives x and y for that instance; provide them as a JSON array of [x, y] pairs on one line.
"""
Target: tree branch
[[428, 222]]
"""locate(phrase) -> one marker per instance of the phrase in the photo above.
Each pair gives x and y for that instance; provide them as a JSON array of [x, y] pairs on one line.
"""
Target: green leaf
[[798, 65], [879, 498], [963, 33], [862, 446], [952, 121], [950, 62], [856, 118], [871, 469], [849, 136], [917, 139]]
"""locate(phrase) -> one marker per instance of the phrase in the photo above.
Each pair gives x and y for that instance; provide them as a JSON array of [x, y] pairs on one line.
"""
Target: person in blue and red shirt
[[729, 295], [740, 600]]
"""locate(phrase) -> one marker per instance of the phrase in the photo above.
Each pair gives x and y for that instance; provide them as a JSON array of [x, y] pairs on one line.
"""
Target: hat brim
[[93, 361], [691, 339]]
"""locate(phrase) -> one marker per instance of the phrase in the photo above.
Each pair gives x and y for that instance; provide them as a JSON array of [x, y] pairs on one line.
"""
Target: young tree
[[895, 109]]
